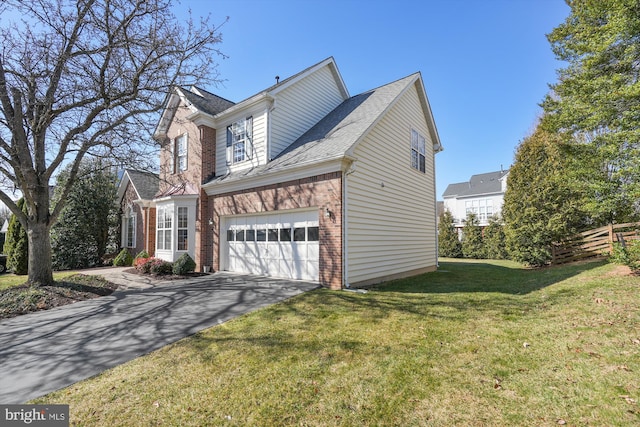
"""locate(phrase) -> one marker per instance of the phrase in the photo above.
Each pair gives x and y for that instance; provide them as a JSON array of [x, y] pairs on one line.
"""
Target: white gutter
[[345, 235]]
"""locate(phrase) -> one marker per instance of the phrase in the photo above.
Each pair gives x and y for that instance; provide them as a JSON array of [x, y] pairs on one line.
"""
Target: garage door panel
[[275, 244]]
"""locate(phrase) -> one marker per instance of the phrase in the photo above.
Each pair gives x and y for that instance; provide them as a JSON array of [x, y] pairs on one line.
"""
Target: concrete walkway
[[45, 351]]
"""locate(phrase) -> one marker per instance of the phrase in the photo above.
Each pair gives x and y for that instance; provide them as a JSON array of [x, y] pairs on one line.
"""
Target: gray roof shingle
[[484, 183], [145, 183], [334, 135], [207, 101]]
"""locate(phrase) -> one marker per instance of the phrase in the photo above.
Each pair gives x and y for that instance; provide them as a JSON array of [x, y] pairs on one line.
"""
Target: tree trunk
[[40, 271]]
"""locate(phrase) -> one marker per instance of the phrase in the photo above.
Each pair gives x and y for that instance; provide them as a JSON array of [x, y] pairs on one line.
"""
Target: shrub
[[159, 266], [16, 245], [142, 254], [448, 243], [494, 239], [183, 265], [472, 243], [123, 259], [143, 265], [628, 255]]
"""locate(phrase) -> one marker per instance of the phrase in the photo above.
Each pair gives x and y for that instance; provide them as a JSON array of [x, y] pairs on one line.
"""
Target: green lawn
[[474, 344], [8, 280]]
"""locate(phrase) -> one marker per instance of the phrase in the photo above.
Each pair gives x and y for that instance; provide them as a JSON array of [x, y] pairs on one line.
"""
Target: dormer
[[256, 130]]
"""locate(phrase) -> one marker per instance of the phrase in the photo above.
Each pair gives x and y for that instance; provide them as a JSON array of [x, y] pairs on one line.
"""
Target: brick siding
[[323, 192]]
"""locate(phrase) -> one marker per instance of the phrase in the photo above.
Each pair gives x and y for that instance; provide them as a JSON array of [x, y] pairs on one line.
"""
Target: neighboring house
[[301, 180], [136, 192], [483, 195]]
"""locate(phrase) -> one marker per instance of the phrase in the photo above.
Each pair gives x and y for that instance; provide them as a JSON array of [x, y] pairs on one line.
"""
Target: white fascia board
[[426, 106], [475, 196], [145, 203], [123, 185], [175, 99], [174, 198], [300, 171]]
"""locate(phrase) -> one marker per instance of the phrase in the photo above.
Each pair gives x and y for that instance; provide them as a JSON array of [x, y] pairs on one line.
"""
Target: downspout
[[269, 126], [146, 221], [435, 210], [345, 253]]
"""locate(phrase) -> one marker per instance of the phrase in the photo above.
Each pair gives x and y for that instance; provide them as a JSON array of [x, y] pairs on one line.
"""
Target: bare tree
[[83, 78]]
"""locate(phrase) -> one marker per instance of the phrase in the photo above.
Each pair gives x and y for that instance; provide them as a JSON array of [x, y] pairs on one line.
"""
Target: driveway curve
[[44, 351]]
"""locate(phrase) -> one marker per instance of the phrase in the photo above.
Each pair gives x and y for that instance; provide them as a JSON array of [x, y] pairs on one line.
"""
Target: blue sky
[[486, 64]]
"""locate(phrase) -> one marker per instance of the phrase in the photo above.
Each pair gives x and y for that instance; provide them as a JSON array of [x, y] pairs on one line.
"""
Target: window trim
[[164, 224], [177, 154], [129, 228], [234, 142], [184, 228], [418, 151]]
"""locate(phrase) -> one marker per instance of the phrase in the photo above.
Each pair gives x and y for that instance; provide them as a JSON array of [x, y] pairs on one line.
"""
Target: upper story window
[[180, 153], [482, 208], [418, 151], [240, 140]]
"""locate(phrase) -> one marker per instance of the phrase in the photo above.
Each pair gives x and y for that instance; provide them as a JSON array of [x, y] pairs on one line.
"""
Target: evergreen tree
[[448, 243], [596, 103], [16, 245], [541, 205], [472, 245], [81, 236], [494, 239]]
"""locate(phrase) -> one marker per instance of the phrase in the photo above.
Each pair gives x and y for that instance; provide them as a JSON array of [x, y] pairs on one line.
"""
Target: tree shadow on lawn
[[488, 277]]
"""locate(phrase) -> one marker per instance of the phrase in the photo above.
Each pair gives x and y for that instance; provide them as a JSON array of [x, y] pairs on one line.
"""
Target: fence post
[[611, 238]]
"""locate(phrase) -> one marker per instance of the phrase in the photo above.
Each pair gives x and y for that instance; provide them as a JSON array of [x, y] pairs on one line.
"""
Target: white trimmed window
[[240, 140], [418, 151], [180, 153], [183, 228], [163, 228], [129, 229]]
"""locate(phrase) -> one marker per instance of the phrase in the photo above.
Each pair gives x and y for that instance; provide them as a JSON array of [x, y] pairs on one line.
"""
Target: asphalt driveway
[[45, 351]]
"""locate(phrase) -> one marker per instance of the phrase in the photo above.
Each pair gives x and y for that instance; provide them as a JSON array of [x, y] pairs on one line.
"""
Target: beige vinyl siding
[[259, 115], [301, 106], [391, 229]]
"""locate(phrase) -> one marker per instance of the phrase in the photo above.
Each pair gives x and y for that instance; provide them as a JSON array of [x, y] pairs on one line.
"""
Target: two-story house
[[300, 180], [482, 195]]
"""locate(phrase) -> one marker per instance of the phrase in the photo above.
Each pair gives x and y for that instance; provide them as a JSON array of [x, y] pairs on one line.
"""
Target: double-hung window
[[240, 140], [183, 229], [181, 153], [130, 229], [163, 239], [418, 151]]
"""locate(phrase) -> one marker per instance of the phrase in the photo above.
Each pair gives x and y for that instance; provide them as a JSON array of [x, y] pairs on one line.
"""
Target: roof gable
[[338, 133], [145, 184]]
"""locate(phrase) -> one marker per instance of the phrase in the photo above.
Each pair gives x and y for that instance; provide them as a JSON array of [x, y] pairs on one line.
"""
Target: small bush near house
[[159, 266], [628, 254], [143, 265], [142, 254], [123, 259], [184, 265]]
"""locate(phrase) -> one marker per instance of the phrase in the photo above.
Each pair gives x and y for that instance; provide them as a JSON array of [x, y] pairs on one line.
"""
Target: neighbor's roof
[[145, 184], [484, 183], [335, 135]]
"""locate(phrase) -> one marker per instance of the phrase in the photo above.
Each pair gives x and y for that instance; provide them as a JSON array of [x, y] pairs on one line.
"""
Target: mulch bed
[[24, 299]]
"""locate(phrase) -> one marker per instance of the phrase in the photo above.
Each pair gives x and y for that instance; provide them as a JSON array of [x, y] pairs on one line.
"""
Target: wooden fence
[[593, 243]]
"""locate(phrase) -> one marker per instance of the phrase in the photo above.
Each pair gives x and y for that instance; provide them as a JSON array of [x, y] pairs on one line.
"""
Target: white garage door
[[279, 245]]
